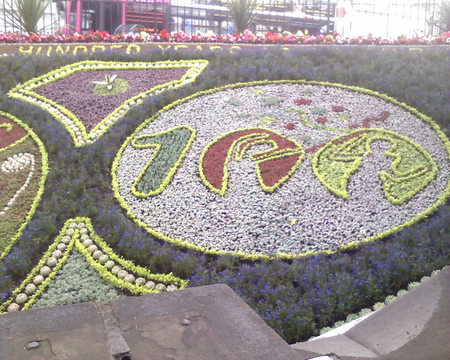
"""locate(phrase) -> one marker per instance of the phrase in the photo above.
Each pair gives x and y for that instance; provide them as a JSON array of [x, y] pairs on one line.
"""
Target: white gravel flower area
[[301, 215]]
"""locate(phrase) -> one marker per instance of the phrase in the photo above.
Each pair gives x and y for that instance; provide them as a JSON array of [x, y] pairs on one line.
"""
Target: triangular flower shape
[[78, 95], [78, 234]]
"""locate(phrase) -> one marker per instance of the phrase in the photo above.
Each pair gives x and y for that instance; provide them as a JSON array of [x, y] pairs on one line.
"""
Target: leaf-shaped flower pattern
[[170, 148], [411, 170]]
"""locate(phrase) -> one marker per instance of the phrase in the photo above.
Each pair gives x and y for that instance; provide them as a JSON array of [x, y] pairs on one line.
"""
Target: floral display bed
[[313, 194]]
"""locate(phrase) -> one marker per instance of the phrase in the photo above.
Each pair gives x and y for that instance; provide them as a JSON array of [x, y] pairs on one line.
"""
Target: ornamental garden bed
[[312, 181]]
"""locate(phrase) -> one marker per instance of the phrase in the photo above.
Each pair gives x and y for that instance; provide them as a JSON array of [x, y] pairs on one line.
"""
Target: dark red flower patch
[[302, 101], [322, 120], [271, 170], [214, 162], [338, 108], [314, 148], [384, 115], [290, 126], [346, 138], [353, 126], [10, 132]]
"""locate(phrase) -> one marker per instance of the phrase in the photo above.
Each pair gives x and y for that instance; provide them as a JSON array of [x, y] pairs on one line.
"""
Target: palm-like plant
[[242, 13], [444, 20], [109, 81], [25, 14]]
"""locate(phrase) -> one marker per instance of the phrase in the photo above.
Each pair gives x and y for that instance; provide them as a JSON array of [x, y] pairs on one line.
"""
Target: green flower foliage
[[272, 101], [170, 148], [117, 87], [77, 282]]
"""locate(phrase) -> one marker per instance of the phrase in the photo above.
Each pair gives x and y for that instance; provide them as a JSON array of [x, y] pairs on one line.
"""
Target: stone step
[[203, 323]]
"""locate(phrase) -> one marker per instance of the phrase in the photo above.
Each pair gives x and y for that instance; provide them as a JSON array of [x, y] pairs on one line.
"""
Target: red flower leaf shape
[[302, 101], [322, 120], [10, 133], [338, 108], [289, 126], [384, 115], [274, 166]]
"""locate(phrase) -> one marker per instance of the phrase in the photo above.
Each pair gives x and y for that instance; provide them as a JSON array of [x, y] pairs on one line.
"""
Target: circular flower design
[[23, 169], [282, 168]]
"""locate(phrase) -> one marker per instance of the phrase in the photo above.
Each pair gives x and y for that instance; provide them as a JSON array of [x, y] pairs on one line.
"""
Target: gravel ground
[[300, 216]]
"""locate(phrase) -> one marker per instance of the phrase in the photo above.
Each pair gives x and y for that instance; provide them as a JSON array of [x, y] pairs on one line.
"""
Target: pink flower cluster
[[247, 37]]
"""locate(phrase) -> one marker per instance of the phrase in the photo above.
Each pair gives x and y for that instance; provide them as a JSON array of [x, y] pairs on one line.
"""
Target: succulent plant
[[52, 261], [21, 298], [57, 254], [61, 247], [88, 242], [140, 281], [96, 254], [109, 264], [92, 248], [115, 270], [65, 239], [13, 307], [129, 278], [150, 285], [121, 274], [45, 271], [160, 287], [103, 259], [70, 232], [84, 237], [30, 289], [38, 279]]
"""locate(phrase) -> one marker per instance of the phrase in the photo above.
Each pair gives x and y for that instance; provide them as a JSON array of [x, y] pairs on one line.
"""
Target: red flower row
[[247, 37]]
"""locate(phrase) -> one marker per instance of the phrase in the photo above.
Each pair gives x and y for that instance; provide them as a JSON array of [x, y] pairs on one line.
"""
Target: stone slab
[[339, 344], [62, 332], [209, 322], [404, 319], [204, 323]]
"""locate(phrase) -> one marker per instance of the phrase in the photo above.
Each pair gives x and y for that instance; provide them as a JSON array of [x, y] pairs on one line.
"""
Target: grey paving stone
[[209, 322], [204, 323]]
